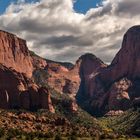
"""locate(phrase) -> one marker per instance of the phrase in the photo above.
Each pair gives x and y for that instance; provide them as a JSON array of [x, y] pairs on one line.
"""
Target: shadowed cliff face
[[103, 88], [15, 54], [18, 91], [11, 84], [127, 61], [89, 67]]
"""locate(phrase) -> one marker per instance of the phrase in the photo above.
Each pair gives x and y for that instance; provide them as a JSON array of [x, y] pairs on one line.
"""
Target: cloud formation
[[55, 31]]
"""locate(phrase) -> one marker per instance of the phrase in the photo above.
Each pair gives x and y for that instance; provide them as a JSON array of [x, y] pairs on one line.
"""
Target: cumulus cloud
[[54, 30]]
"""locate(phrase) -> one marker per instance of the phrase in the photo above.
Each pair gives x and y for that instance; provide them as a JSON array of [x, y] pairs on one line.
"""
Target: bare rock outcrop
[[136, 103], [25, 100], [127, 61], [63, 77], [118, 96], [34, 97], [4, 103], [11, 84], [45, 99], [15, 54], [17, 91], [89, 67], [114, 113], [112, 87], [73, 107]]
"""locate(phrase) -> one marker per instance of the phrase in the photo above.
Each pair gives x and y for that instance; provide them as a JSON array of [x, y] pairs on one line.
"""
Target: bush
[[72, 137], [1, 132], [58, 137]]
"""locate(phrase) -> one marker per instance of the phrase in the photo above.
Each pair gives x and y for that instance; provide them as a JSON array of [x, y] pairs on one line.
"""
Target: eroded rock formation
[[63, 77], [105, 88], [17, 89], [102, 88], [15, 54], [45, 99]]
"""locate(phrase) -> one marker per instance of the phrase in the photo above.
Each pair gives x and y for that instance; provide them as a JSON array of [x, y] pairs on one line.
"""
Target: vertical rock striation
[[15, 54]]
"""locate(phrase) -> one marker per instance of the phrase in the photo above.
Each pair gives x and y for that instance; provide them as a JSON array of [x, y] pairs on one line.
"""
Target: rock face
[[38, 62], [34, 97], [63, 77], [136, 103], [73, 107], [118, 96], [45, 99], [11, 84], [17, 64], [14, 53], [17, 89], [4, 103], [64, 80], [89, 66], [127, 60], [103, 88], [25, 100]]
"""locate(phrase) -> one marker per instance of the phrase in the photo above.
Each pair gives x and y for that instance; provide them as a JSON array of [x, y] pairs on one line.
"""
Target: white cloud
[[55, 31]]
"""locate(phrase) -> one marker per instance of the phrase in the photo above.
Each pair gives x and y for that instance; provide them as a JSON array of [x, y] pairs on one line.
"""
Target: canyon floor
[[42, 125]]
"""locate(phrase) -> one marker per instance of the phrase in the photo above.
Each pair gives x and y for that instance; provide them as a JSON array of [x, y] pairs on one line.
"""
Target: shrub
[[72, 137], [1, 132], [58, 137]]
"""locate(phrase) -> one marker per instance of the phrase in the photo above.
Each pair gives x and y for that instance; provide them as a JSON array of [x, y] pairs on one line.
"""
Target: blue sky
[[3, 5], [81, 6], [6, 3]]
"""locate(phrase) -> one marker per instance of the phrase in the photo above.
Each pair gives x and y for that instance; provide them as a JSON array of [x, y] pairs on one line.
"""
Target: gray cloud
[[63, 41], [55, 31]]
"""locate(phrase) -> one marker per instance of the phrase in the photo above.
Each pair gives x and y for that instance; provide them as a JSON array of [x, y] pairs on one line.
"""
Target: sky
[[81, 6], [63, 30], [5, 3]]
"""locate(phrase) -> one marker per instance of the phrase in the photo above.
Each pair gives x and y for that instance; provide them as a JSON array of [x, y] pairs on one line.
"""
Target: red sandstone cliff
[[127, 60], [17, 89], [63, 77], [105, 89], [89, 66], [15, 54]]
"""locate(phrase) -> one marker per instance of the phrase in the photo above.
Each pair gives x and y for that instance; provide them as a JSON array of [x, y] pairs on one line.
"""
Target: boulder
[[73, 107], [112, 113]]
